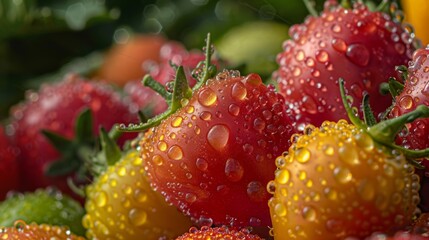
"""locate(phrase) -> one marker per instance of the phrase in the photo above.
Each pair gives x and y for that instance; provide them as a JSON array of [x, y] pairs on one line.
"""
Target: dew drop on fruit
[[358, 54], [336, 28], [310, 62], [218, 136], [157, 160], [271, 187], [342, 175], [233, 109], [233, 170], [406, 102], [309, 213], [322, 56], [175, 152], [190, 197], [309, 104], [259, 124], [280, 210], [330, 193], [283, 176], [302, 155], [162, 146], [101, 199], [348, 154], [238, 91], [140, 195], [425, 89], [300, 55], [207, 97], [366, 190], [201, 164], [137, 217], [339, 45], [206, 116], [177, 121], [253, 79], [365, 141], [205, 221], [256, 191]]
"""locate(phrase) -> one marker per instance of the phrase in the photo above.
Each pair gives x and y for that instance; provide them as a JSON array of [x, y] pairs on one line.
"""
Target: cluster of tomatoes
[[336, 151]]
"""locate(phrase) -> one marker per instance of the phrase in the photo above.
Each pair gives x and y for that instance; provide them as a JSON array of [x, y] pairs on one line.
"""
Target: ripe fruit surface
[[214, 156], [126, 61], [416, 134], [23, 231], [336, 182], [43, 207], [9, 173], [55, 107], [361, 46], [217, 233], [121, 205]]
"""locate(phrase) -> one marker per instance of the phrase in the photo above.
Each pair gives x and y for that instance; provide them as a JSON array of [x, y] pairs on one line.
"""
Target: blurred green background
[[40, 40]]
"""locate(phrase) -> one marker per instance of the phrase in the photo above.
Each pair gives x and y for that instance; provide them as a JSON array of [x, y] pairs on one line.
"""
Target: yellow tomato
[[417, 13]]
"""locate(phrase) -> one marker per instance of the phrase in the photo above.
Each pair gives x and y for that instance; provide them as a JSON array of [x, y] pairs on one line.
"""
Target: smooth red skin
[[9, 175], [316, 98], [416, 92], [230, 201], [55, 107]]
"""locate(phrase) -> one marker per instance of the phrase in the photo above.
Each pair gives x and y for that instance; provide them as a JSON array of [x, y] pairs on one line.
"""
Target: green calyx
[[385, 132], [181, 90], [72, 151]]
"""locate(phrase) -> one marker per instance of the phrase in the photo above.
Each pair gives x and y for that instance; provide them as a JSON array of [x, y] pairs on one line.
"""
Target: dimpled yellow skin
[[121, 205], [336, 182]]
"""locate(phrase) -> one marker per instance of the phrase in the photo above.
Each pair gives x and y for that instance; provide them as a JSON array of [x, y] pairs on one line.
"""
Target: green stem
[[310, 8], [207, 70], [387, 130], [148, 81], [383, 7], [368, 115], [353, 118]]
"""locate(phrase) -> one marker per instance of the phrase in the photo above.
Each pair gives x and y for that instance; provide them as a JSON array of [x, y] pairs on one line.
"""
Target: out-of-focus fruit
[[416, 13], [23, 231], [121, 204], [125, 61], [43, 207], [54, 109]]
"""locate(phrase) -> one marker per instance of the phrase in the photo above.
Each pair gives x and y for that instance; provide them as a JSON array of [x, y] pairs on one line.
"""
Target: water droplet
[[253, 79], [140, 195], [256, 191], [280, 210], [207, 97], [348, 154], [137, 217], [122, 171], [358, 54], [233, 170], [322, 56], [331, 193], [218, 137], [406, 102], [157, 160], [302, 155], [190, 197], [310, 62], [259, 124], [283, 176], [309, 214], [175, 152], [336, 28], [177, 121], [162, 146], [101, 199], [202, 164], [234, 110], [342, 175], [339, 45], [300, 55], [206, 116], [238, 91]]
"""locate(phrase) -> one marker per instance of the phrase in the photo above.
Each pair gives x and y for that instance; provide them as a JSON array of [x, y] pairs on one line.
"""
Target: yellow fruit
[[337, 182], [416, 13], [122, 206]]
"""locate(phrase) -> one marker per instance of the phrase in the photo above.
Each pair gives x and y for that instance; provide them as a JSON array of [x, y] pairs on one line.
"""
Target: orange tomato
[[124, 62]]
